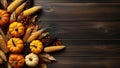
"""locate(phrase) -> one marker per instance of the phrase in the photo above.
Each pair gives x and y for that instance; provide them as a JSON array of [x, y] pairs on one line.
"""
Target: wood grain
[[88, 28]]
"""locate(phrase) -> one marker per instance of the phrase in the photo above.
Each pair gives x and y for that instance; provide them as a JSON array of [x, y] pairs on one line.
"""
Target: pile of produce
[[23, 42]]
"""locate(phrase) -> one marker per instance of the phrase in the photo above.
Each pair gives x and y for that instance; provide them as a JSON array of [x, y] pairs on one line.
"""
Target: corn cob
[[31, 11], [3, 56], [27, 33], [14, 5], [53, 48], [3, 45], [35, 35], [20, 9]]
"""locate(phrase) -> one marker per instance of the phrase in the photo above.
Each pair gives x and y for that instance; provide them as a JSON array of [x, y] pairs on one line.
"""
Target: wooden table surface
[[90, 30]]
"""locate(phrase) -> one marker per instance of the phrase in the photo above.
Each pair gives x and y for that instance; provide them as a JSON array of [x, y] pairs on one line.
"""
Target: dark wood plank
[[85, 62], [90, 32], [80, 11], [76, 1], [84, 29], [93, 48]]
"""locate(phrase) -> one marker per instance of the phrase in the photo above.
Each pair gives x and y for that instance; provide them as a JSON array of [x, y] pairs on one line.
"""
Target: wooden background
[[90, 30]]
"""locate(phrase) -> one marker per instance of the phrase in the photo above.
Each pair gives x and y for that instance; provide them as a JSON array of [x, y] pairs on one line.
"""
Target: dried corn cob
[[3, 56], [35, 35], [27, 34], [53, 48], [14, 5], [31, 11], [28, 12], [20, 9]]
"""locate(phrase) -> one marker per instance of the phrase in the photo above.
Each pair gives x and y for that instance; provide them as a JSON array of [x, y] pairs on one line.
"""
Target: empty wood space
[[90, 30]]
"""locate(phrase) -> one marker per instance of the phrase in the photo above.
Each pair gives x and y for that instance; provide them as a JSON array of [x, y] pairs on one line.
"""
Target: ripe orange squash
[[15, 45], [16, 60], [16, 29], [4, 17]]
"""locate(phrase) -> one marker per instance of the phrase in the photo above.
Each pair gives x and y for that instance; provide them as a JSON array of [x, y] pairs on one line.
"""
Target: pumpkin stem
[[13, 42], [30, 59], [16, 29], [15, 62]]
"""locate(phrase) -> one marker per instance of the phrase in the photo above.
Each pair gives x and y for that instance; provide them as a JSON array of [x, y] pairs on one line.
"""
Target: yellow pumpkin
[[15, 45], [4, 17], [16, 60], [36, 46], [16, 29]]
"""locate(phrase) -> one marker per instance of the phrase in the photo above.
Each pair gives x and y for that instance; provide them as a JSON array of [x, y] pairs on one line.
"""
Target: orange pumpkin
[[16, 60], [15, 45], [4, 17], [16, 29]]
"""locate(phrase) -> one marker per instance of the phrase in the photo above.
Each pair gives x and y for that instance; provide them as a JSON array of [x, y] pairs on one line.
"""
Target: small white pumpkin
[[31, 60]]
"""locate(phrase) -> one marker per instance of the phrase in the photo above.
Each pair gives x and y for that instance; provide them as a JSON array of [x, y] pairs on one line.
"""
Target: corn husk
[[4, 3], [13, 17], [3, 56], [1, 61], [47, 57], [3, 45], [43, 65]]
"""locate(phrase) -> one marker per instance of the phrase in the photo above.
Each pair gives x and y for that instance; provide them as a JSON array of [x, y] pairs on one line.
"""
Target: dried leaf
[[4, 3]]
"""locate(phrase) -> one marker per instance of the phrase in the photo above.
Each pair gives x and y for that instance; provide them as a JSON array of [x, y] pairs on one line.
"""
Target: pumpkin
[[36, 46], [4, 17], [16, 29], [15, 45], [16, 60], [31, 60]]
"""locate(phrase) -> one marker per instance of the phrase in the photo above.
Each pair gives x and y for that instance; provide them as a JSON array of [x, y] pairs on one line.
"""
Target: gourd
[[16, 29], [16, 60], [36, 46], [4, 17], [15, 45], [31, 60]]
